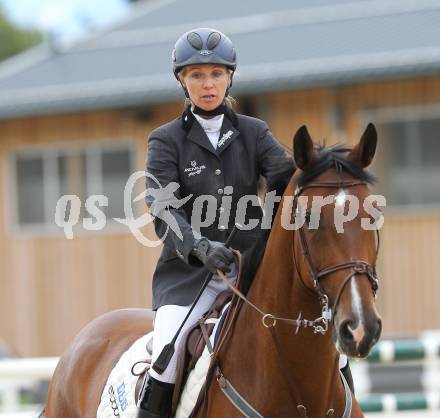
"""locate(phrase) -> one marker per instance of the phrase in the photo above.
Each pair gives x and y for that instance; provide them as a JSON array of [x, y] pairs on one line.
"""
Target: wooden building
[[75, 120]]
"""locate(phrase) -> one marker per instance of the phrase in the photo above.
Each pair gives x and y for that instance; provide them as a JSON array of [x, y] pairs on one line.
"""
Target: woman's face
[[206, 84]]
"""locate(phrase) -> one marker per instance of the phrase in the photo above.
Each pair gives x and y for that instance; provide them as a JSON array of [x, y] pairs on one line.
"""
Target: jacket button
[[221, 209], [220, 191], [218, 172]]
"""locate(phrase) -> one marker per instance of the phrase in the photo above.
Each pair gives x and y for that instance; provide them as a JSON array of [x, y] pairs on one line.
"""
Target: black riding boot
[[156, 399], [346, 371]]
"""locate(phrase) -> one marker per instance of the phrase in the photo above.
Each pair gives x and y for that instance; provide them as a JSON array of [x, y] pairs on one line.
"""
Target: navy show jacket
[[181, 152]]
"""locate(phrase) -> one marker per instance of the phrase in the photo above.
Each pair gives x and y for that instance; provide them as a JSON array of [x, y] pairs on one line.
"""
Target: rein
[[320, 325], [269, 320]]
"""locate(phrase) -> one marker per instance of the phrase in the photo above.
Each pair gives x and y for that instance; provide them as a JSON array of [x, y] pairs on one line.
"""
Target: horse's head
[[336, 248]]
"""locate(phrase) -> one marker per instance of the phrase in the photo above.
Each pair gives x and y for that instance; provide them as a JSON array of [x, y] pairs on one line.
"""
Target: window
[[31, 191], [408, 157], [42, 176], [115, 166]]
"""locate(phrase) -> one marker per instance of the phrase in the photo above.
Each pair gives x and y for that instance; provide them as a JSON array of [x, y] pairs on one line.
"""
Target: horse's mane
[[328, 157]]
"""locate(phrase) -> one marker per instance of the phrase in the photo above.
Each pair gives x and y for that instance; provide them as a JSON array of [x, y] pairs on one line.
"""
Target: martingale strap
[[348, 397], [230, 392], [235, 398], [249, 411], [225, 385]]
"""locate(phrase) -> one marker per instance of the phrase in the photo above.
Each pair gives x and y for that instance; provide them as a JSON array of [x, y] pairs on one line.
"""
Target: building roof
[[281, 45]]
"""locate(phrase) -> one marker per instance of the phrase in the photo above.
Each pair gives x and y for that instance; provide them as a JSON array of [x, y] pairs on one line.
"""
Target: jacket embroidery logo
[[194, 169], [224, 138]]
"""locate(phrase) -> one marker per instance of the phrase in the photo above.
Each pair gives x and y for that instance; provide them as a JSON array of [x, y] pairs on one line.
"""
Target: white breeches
[[169, 317]]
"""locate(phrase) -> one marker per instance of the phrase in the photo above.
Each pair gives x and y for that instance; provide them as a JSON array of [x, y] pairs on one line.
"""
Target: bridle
[[356, 267], [320, 324]]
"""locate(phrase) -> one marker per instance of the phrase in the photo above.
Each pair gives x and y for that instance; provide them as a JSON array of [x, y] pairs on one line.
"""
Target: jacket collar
[[229, 131]]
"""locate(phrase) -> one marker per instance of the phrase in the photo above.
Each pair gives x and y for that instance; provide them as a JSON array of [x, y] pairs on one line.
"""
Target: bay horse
[[308, 277]]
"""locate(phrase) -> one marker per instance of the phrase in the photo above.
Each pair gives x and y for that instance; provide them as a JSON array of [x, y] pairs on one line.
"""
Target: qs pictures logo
[[160, 199]]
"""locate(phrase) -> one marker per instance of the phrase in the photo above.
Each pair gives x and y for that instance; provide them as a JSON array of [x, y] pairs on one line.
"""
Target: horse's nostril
[[358, 337], [345, 332]]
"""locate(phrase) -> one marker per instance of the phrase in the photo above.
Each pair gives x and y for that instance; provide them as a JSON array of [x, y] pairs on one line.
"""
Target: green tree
[[14, 39]]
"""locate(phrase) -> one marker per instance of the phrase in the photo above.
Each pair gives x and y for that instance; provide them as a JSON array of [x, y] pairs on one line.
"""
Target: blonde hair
[[229, 101]]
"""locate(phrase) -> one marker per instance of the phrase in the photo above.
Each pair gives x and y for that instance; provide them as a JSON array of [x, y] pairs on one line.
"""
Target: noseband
[[356, 267]]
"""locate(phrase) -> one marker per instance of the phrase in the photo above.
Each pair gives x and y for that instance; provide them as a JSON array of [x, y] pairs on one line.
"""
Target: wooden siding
[[410, 285], [51, 286]]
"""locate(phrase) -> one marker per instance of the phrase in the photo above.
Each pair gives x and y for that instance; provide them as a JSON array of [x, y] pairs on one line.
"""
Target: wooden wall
[[51, 287], [408, 300]]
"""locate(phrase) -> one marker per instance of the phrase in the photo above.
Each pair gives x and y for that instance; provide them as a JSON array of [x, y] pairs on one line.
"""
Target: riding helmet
[[203, 46]]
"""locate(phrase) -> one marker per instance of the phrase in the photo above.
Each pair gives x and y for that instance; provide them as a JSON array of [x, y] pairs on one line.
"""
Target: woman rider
[[210, 157]]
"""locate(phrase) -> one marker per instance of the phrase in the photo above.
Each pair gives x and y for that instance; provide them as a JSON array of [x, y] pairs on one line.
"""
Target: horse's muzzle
[[356, 337]]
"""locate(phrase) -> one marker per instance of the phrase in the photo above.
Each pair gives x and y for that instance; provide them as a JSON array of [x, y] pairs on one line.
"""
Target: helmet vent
[[213, 40], [195, 40]]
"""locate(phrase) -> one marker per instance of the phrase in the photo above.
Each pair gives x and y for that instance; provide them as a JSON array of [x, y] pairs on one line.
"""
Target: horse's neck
[[306, 359]]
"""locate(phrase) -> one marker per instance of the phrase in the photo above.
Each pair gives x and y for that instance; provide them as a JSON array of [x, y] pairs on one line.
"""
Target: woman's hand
[[213, 254]]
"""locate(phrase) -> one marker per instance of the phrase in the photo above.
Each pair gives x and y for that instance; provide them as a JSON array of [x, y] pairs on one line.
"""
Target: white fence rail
[[16, 374], [27, 368]]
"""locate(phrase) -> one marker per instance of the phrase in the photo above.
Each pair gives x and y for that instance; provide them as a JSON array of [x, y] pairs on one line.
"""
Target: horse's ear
[[364, 151], [303, 151]]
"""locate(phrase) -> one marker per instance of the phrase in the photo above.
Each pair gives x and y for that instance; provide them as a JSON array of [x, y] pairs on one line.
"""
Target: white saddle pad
[[118, 398]]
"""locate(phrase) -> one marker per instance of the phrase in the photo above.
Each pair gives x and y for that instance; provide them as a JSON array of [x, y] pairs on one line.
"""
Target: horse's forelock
[[333, 157]]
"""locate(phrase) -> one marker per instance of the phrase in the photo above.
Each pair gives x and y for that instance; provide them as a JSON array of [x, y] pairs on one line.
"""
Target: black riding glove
[[213, 254]]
